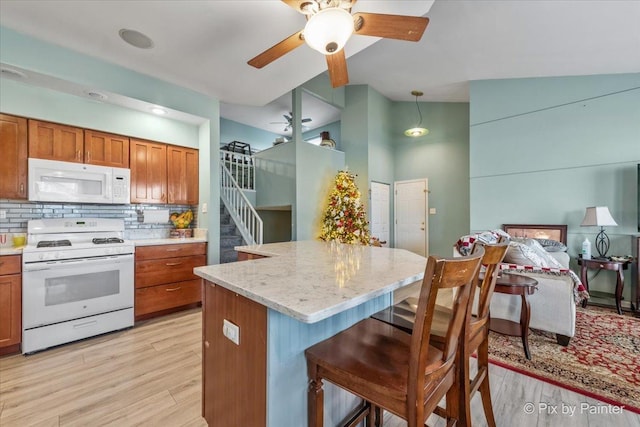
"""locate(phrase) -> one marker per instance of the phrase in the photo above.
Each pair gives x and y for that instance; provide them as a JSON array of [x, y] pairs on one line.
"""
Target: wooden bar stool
[[475, 336], [391, 369]]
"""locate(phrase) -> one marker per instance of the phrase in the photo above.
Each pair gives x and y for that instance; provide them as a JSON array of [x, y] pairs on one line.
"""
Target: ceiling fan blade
[[400, 27], [307, 120], [276, 51], [338, 73]]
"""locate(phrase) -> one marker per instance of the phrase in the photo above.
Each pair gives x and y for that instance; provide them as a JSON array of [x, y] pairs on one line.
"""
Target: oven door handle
[[75, 262]]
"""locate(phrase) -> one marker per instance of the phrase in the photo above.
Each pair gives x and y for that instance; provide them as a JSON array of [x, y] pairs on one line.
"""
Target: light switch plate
[[231, 331], [432, 211], [204, 208]]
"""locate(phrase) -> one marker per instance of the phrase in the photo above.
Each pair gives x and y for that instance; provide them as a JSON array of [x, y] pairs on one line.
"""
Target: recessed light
[[159, 111], [95, 95], [10, 72], [136, 38]]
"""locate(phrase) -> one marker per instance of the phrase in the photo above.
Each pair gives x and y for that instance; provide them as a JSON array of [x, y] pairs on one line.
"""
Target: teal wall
[[544, 149], [38, 56], [441, 156], [46, 104], [316, 168], [233, 131], [355, 134]]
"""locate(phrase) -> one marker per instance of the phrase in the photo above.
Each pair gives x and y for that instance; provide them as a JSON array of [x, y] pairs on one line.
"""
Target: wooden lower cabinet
[[164, 278], [234, 377], [10, 303]]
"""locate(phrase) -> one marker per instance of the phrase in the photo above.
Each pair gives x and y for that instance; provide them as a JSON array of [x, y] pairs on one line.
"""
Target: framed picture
[[537, 231]]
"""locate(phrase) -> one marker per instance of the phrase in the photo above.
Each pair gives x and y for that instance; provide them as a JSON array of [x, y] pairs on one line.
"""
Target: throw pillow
[[529, 252]]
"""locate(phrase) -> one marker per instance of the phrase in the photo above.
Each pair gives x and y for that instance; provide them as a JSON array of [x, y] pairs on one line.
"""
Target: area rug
[[602, 360]]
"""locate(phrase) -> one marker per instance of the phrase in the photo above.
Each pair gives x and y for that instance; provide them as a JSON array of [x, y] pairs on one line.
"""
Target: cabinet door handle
[[21, 188], [172, 264], [88, 156], [206, 344], [173, 289]]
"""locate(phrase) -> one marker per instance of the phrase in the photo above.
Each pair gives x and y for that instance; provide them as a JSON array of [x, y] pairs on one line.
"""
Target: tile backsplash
[[19, 212]]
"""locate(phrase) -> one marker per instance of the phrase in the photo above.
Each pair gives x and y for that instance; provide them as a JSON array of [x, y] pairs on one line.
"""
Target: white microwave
[[55, 181]]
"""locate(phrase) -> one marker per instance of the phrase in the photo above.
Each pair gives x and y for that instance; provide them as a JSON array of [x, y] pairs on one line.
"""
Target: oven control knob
[[40, 256], [108, 250], [57, 255]]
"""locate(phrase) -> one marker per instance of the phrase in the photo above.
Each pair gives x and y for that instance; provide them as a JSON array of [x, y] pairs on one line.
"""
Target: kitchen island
[[275, 307]]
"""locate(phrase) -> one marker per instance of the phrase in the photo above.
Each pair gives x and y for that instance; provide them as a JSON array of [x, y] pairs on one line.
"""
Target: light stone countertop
[[167, 241], [312, 280], [10, 250]]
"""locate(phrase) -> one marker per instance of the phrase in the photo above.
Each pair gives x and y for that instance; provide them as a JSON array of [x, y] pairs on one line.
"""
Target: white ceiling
[[204, 45]]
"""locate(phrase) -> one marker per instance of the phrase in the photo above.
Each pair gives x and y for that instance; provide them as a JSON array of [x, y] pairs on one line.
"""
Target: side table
[[514, 284], [604, 264]]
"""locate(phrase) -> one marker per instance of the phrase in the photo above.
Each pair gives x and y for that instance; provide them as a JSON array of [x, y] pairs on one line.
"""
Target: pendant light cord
[[419, 112]]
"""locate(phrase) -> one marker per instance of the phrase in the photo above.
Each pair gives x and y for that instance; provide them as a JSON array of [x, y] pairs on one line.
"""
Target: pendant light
[[417, 131]]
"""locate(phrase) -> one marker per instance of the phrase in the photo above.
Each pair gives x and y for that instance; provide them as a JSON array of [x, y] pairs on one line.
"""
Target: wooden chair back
[[493, 256], [444, 273]]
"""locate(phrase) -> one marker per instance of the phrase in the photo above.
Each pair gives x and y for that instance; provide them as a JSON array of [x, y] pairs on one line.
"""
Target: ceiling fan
[[330, 24], [289, 122]]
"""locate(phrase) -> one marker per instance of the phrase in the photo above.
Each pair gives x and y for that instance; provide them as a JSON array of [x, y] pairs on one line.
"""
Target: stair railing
[[242, 168], [243, 214]]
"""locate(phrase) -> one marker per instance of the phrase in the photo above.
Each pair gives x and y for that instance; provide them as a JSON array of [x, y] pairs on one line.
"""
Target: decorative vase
[[326, 140]]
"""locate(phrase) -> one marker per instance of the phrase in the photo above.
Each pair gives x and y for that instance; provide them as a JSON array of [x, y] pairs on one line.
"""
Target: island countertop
[[312, 280]]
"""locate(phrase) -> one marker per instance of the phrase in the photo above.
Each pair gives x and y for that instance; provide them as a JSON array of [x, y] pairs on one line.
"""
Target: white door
[[411, 207], [380, 215]]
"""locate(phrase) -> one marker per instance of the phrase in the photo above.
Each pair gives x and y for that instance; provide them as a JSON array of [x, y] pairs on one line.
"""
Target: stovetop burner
[[53, 243], [102, 241]]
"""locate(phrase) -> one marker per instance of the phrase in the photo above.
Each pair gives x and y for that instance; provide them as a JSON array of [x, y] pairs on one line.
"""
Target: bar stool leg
[[315, 400], [484, 389]]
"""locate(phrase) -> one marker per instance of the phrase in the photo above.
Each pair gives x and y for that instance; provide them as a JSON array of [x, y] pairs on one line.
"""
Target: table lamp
[[599, 216]]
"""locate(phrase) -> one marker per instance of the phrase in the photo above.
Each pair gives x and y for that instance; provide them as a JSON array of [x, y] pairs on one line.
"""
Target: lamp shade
[[328, 30], [598, 216]]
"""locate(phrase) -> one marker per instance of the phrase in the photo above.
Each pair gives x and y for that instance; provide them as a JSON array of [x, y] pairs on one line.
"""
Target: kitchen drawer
[[160, 271], [163, 297], [10, 264], [170, 251]]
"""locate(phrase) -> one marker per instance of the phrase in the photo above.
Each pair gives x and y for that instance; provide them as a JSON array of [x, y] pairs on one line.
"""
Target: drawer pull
[[174, 289], [85, 324], [173, 250], [172, 264]]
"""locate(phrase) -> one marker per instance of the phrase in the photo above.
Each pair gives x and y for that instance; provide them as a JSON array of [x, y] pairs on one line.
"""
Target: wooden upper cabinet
[[55, 142], [106, 149], [182, 173], [13, 157], [148, 163]]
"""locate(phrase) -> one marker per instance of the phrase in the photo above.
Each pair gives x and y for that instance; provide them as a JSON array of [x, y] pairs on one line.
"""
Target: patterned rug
[[601, 361]]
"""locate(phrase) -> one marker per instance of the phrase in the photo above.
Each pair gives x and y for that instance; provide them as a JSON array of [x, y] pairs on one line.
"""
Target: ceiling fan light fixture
[[329, 30], [417, 130]]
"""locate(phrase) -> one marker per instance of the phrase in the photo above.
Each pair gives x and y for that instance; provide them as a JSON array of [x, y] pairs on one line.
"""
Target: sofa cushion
[[529, 252]]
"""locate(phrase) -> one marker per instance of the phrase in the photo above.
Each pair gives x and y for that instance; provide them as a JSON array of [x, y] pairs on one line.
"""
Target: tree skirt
[[601, 361]]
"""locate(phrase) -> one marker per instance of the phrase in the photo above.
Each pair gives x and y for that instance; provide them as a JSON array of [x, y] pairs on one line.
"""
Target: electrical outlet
[[204, 208], [3, 214], [231, 331], [432, 211]]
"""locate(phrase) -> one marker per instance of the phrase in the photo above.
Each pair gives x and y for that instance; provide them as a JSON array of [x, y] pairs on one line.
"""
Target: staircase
[[229, 237]]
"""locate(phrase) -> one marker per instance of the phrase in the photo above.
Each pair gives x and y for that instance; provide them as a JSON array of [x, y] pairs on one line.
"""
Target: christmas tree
[[344, 218]]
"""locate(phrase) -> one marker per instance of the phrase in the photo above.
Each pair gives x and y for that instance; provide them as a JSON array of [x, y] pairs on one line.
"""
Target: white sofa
[[553, 305]]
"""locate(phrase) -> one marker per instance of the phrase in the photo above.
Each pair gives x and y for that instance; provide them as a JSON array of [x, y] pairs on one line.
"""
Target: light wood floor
[[150, 376]]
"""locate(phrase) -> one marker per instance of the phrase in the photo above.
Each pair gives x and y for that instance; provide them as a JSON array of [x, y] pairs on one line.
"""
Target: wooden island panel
[[234, 389]]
